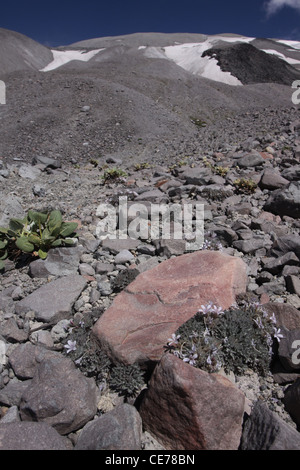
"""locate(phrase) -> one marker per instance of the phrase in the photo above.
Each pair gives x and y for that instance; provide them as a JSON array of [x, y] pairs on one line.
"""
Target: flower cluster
[[211, 242], [238, 338]]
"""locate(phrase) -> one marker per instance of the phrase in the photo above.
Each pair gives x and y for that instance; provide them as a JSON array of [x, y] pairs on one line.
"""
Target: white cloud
[[273, 6]]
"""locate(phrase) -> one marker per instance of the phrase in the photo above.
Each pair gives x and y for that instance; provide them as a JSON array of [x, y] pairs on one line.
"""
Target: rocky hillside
[[100, 347]]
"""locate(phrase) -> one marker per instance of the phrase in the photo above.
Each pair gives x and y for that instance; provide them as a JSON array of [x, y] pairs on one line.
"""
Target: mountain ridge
[[141, 102]]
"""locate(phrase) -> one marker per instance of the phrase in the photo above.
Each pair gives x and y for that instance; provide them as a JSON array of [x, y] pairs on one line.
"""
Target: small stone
[[124, 257]]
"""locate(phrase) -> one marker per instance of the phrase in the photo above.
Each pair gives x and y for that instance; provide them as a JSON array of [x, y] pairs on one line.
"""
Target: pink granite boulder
[[148, 311], [186, 408]]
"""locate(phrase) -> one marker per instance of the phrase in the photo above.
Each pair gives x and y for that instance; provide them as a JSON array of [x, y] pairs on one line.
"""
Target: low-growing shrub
[[113, 175], [236, 339], [245, 185]]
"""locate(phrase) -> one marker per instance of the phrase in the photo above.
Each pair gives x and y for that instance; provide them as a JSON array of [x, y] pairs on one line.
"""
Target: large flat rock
[[53, 301], [144, 315]]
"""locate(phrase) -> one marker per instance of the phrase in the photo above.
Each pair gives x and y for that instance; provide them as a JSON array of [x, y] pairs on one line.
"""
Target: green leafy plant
[[217, 169], [245, 185], [113, 174], [94, 162], [198, 122], [141, 166], [35, 234]]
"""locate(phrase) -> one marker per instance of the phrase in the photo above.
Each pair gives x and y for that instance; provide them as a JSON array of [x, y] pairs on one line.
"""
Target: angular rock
[[11, 415], [198, 176], [89, 242], [292, 173], [286, 244], [154, 196], [251, 160], [115, 246], [12, 333], [291, 401], [289, 350], [249, 246], [275, 265], [25, 358], [144, 315], [186, 408], [10, 206], [6, 301], [53, 301], [169, 248], [119, 429], [59, 262], [59, 395], [48, 162], [3, 357], [293, 284], [11, 394], [30, 172], [103, 268], [286, 315], [264, 430], [31, 436], [272, 180], [85, 269], [216, 192], [38, 190], [123, 257], [285, 201]]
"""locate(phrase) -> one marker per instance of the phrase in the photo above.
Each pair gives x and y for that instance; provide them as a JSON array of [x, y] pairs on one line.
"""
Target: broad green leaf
[[54, 222], [57, 242], [24, 245], [67, 228], [38, 217], [3, 230], [42, 254], [47, 237], [16, 224], [69, 241], [2, 244], [35, 239], [4, 256]]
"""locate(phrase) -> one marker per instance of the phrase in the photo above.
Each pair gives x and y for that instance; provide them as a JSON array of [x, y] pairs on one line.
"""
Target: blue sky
[[64, 22]]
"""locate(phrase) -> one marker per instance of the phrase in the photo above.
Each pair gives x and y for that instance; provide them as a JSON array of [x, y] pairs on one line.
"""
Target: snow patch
[[189, 57], [289, 60], [63, 57], [293, 44]]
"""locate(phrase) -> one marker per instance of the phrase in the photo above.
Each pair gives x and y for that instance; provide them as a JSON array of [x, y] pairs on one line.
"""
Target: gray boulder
[[292, 401], [59, 262], [59, 395], [53, 301], [285, 201], [31, 436], [120, 429], [264, 430]]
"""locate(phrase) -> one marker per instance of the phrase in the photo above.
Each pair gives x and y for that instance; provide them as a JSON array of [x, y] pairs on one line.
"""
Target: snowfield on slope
[[187, 56], [63, 57]]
